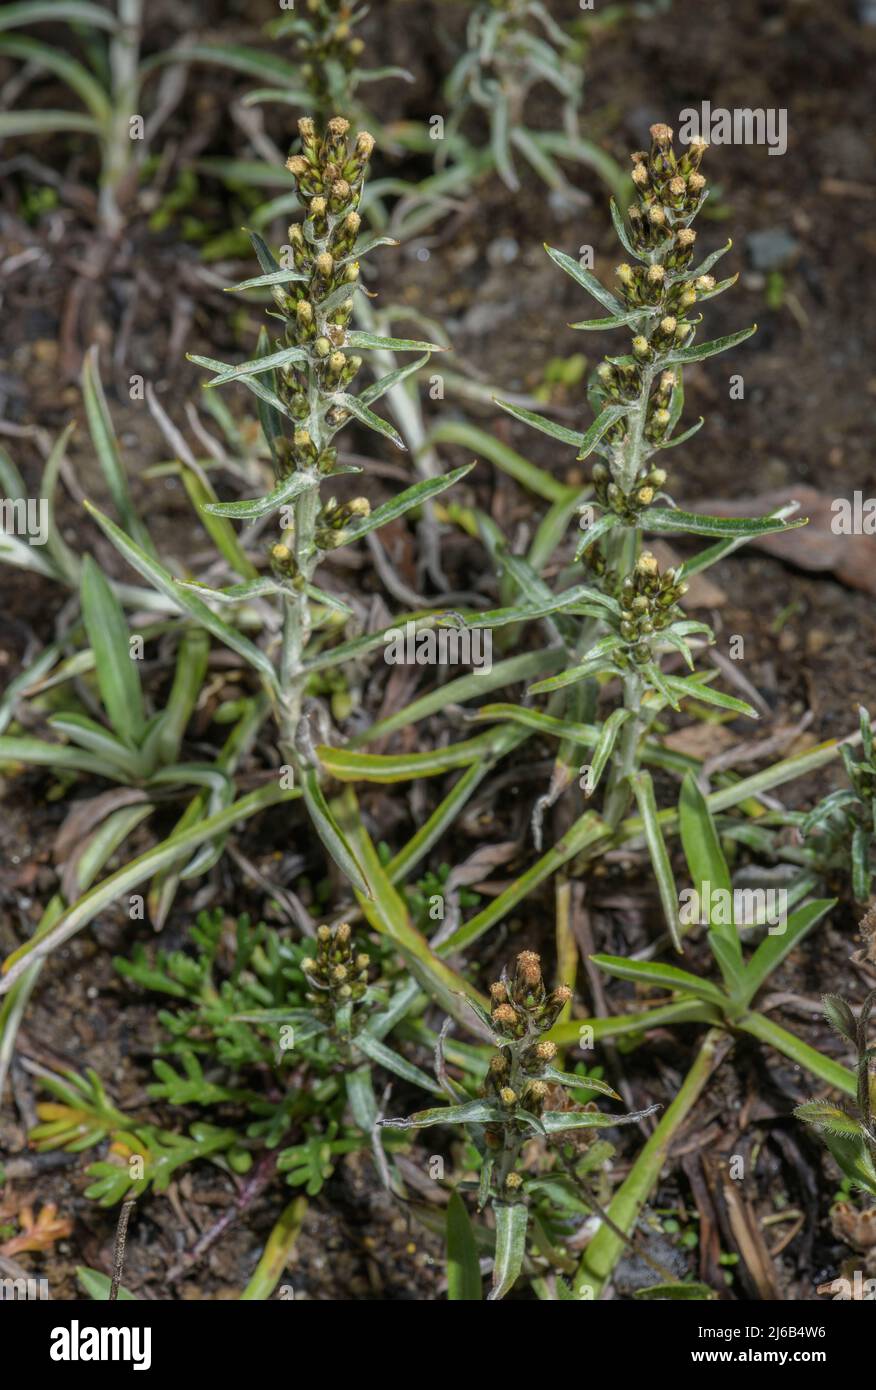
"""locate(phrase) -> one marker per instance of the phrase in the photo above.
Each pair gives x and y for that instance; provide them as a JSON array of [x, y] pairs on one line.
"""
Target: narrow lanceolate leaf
[[252, 383], [367, 417], [74, 74], [603, 422], [668, 520], [705, 266], [710, 876], [684, 436], [117, 676], [585, 1083], [839, 1015], [331, 834], [685, 687], [597, 659], [156, 575], [346, 765], [397, 506], [700, 351], [259, 364], [829, 1119], [389, 1059], [235, 593], [587, 280], [106, 446], [540, 422], [385, 383], [200, 493], [72, 11], [653, 974], [773, 949], [611, 321], [605, 746], [259, 282], [249, 509], [46, 123], [94, 738], [463, 1266], [472, 1112], [559, 1121], [358, 339], [646, 801], [511, 1223], [605, 523]]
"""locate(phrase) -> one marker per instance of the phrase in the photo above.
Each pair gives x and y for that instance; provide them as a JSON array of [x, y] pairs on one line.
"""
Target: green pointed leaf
[[511, 1223], [840, 1017], [259, 282], [709, 873], [367, 417], [156, 575], [540, 422], [117, 676], [829, 1119], [257, 365], [73, 11], [94, 738], [469, 1113], [587, 280], [331, 834], [385, 383], [248, 509], [774, 948], [74, 74], [106, 446], [560, 1121], [685, 686], [601, 527], [643, 788], [603, 422], [357, 339], [669, 520], [698, 352], [653, 973], [392, 1061], [463, 1266], [404, 502]]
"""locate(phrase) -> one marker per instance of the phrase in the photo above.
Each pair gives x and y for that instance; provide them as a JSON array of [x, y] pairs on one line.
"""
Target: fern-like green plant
[[275, 1045]]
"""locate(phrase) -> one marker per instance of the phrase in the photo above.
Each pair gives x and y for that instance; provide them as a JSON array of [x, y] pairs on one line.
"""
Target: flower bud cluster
[[648, 604], [337, 974], [317, 308], [324, 44], [523, 1009]]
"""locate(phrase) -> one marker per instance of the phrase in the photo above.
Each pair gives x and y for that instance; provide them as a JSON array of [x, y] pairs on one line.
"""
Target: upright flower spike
[[318, 304], [658, 299], [303, 382]]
